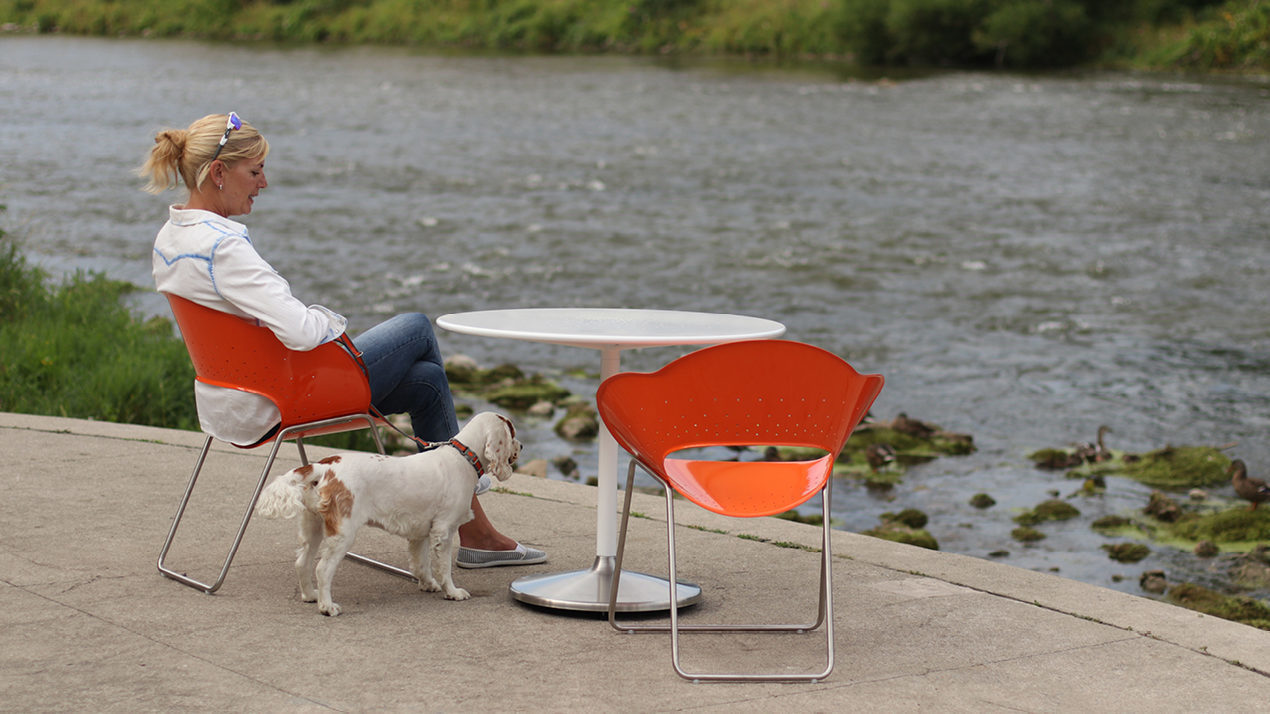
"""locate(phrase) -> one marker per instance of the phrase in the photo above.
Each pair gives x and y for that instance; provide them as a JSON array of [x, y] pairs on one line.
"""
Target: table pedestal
[[610, 331], [588, 590]]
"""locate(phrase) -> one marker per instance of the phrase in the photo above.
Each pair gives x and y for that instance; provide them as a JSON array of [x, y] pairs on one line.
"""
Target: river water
[[1023, 257]]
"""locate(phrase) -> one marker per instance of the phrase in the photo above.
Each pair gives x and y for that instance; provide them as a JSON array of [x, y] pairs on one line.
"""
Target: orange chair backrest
[[229, 351], [755, 393]]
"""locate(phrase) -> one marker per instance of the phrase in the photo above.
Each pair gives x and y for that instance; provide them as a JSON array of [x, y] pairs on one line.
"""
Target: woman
[[202, 255]]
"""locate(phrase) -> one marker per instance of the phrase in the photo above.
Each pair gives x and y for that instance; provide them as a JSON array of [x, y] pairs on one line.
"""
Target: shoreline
[[1219, 37]]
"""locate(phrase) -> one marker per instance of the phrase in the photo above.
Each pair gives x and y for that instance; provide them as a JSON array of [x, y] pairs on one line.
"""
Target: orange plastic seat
[[317, 392], [764, 393]]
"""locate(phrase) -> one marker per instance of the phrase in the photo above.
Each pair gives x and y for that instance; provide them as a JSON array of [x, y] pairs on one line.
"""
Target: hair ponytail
[[185, 155]]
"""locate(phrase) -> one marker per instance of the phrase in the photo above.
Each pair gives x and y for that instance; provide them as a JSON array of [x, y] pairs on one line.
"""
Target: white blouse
[[210, 260]]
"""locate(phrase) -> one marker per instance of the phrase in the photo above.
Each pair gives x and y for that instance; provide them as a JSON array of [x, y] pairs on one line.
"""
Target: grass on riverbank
[[1150, 34], [75, 350]]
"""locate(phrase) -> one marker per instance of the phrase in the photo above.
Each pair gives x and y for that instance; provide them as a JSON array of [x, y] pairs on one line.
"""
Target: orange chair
[[320, 391], [757, 393]]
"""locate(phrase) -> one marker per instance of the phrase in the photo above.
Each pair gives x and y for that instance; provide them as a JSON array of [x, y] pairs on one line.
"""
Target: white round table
[[609, 330]]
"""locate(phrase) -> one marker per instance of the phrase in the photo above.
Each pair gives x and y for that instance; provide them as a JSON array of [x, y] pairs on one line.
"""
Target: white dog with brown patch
[[423, 498]]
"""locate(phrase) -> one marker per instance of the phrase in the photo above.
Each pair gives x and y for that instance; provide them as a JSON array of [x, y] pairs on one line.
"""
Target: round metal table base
[[588, 590]]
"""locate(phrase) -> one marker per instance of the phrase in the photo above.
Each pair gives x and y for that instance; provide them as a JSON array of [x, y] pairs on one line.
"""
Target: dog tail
[[284, 497]]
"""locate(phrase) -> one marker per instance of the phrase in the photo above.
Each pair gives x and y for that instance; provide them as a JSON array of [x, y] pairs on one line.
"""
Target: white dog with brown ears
[[423, 498]]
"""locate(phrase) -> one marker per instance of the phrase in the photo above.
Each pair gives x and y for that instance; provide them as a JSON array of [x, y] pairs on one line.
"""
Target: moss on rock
[[1051, 458], [1026, 534], [1052, 510], [910, 517], [1107, 523], [1228, 607], [505, 385], [1233, 525], [1127, 552], [525, 393], [982, 500], [900, 533], [1178, 468], [909, 445], [815, 519]]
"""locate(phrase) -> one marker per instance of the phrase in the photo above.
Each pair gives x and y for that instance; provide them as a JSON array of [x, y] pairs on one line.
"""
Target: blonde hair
[[186, 154]]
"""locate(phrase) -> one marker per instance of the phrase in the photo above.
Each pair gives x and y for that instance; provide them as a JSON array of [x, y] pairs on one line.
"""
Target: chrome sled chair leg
[[215, 585]]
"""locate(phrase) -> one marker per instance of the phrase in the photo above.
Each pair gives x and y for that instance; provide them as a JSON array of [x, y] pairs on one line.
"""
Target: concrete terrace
[[87, 622]]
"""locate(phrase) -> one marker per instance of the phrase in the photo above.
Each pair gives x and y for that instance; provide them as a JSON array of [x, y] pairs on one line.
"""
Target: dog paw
[[308, 597], [457, 594], [429, 585], [330, 610]]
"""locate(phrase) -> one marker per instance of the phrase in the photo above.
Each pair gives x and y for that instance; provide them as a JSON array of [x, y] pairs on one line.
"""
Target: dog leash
[[462, 448]]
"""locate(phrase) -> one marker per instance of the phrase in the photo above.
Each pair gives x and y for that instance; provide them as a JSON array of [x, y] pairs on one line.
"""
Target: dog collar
[[469, 455]]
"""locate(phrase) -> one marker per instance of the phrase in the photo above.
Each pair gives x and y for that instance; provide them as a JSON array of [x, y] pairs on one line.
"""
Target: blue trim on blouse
[[209, 258]]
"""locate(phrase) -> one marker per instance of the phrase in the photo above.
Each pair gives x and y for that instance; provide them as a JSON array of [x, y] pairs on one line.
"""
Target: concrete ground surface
[[88, 623]]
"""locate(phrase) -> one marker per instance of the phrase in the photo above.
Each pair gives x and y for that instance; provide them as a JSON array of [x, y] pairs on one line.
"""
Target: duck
[[1057, 459], [1098, 451], [1250, 489], [913, 427], [879, 455]]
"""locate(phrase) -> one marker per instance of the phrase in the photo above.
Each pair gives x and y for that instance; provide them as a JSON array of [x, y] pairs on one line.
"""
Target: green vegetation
[[1051, 510], [1237, 608], [910, 517], [505, 385], [982, 501], [1180, 468], [1026, 534], [1172, 468], [75, 350], [906, 527], [1188, 34], [1126, 552], [1230, 526]]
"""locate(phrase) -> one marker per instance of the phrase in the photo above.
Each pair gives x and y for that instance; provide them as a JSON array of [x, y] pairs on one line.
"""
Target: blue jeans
[[407, 374]]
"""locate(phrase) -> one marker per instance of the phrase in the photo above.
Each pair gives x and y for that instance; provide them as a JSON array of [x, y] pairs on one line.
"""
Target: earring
[[220, 187]]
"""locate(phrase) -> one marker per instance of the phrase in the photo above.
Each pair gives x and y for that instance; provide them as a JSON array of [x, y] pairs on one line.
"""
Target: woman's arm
[[247, 281]]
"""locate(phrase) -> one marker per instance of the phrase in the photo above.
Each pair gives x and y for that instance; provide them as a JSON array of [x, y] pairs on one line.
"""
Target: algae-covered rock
[[525, 393], [1093, 486], [907, 440], [1163, 508], [900, 533], [579, 423], [1206, 549], [1127, 552], [505, 385], [815, 519], [1055, 459], [1249, 573], [1026, 534], [1178, 468], [1052, 510], [910, 517], [1109, 523], [883, 480], [1235, 525], [1154, 582], [1228, 607], [462, 371], [982, 501]]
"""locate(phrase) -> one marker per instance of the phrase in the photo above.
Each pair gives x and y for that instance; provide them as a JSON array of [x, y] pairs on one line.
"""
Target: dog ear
[[499, 449]]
